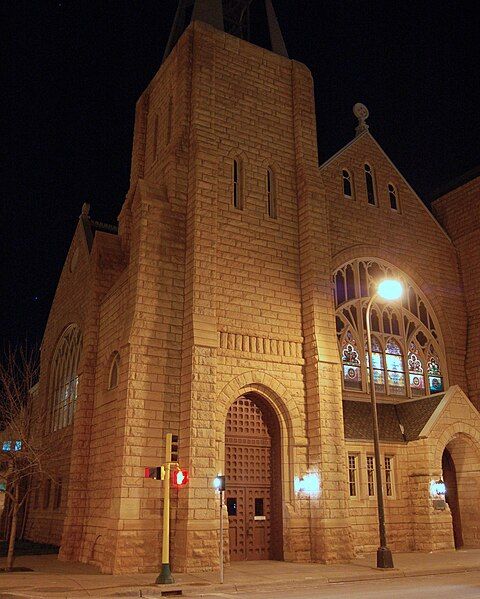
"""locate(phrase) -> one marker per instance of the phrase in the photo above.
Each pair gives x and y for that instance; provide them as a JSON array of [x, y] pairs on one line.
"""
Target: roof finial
[[361, 112], [85, 209]]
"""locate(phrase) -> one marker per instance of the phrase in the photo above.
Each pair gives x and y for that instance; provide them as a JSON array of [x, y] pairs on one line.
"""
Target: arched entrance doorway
[[253, 473], [451, 497], [461, 473]]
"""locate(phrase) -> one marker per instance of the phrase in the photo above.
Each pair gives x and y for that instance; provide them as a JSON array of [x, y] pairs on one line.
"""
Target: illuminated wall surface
[[229, 309]]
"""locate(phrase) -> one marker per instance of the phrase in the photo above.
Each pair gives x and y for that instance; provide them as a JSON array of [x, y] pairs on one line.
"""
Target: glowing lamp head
[[219, 483], [390, 289], [438, 488]]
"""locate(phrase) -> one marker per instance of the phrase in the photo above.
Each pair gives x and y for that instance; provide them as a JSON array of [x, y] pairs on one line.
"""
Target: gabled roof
[[91, 226], [367, 134], [398, 422]]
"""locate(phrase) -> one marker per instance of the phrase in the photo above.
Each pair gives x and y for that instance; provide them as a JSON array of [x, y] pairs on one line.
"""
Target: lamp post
[[388, 289]]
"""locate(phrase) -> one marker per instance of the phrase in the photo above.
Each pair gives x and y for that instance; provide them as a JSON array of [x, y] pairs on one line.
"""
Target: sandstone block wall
[[409, 238], [459, 213]]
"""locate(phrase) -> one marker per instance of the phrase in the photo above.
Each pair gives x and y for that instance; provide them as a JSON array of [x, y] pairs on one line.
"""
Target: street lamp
[[390, 290]]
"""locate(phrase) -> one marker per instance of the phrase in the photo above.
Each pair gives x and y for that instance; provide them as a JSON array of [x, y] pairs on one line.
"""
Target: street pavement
[[52, 578]]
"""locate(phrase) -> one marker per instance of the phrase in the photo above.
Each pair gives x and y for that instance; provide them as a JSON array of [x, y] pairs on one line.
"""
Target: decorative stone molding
[[260, 345]]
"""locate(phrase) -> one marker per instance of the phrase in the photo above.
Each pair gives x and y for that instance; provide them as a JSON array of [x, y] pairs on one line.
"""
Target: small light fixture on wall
[[438, 491], [307, 485]]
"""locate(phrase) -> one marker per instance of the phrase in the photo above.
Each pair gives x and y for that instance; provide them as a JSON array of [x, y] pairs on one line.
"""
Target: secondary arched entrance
[[253, 473], [461, 473], [451, 497]]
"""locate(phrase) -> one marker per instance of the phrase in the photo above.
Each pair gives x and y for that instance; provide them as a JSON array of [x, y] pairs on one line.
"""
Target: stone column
[[331, 540]]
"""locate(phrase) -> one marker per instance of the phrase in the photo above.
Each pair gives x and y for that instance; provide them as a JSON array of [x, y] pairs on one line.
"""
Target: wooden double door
[[248, 470]]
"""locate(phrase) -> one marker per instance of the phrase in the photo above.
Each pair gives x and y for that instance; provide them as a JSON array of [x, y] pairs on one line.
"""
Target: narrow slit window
[[347, 184], [369, 184], [155, 138], [169, 119], [271, 199], [392, 196], [114, 371], [237, 187]]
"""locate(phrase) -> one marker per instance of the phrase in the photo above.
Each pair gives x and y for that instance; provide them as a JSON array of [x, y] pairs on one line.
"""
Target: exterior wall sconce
[[438, 490], [308, 484]]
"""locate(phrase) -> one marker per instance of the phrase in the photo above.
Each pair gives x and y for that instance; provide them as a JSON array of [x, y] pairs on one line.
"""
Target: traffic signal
[[156, 472], [179, 478], [171, 448]]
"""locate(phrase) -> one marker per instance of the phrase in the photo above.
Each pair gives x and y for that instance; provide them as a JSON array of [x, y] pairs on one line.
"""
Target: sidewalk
[[54, 579]]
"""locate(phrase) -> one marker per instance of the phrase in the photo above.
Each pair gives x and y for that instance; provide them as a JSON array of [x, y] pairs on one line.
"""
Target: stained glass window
[[347, 184], [352, 373], [435, 379], [64, 378], [408, 324], [377, 363], [415, 372], [395, 368]]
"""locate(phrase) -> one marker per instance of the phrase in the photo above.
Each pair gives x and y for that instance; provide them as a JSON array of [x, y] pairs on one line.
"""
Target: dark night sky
[[74, 70]]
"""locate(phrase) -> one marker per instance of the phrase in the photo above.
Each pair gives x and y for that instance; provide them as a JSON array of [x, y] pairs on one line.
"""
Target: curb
[[202, 589]]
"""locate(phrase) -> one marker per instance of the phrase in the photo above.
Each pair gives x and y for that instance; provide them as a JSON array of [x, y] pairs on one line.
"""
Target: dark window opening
[[347, 184], [259, 506], [232, 506], [369, 183], [236, 185], [392, 194]]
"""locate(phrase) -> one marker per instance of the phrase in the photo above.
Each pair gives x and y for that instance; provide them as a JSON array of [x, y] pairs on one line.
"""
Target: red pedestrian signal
[[179, 478]]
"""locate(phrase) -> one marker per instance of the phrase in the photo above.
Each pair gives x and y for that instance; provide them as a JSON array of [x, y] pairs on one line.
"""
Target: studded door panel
[[247, 468]]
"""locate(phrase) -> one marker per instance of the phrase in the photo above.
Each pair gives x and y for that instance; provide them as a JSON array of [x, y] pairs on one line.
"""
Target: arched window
[[114, 371], [407, 338], [347, 184], [237, 191], [395, 368], [271, 194], [392, 196], [370, 185], [64, 378], [352, 372]]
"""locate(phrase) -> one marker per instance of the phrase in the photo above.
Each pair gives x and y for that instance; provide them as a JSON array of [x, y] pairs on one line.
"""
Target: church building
[[229, 308]]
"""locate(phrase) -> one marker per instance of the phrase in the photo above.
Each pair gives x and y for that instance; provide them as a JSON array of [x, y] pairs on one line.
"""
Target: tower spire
[[231, 16]]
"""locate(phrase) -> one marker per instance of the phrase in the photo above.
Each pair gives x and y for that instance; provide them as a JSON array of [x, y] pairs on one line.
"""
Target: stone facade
[[205, 302]]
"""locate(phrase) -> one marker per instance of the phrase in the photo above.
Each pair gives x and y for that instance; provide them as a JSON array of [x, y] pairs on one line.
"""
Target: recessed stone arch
[[457, 456], [276, 395]]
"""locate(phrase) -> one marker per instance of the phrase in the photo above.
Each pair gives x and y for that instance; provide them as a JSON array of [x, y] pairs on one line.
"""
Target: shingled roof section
[[414, 415], [410, 416]]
